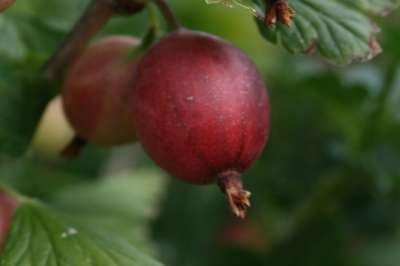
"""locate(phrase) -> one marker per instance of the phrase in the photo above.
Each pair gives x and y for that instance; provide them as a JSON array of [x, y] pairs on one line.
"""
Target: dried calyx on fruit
[[96, 90], [201, 111]]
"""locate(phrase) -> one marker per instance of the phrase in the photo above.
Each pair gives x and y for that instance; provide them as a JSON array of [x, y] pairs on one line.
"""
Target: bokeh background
[[326, 190]]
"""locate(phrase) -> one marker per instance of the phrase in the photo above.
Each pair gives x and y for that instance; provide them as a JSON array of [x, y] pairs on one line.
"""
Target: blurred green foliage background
[[326, 190]]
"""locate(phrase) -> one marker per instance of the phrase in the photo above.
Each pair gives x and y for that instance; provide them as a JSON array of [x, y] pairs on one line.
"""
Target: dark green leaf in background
[[22, 99], [124, 204], [341, 30], [23, 94], [39, 237]]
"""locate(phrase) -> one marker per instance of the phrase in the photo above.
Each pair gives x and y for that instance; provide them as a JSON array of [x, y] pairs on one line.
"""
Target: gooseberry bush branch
[[94, 18], [168, 14], [96, 15]]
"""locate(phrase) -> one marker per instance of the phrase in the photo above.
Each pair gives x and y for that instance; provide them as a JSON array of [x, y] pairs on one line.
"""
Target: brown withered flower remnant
[[278, 11]]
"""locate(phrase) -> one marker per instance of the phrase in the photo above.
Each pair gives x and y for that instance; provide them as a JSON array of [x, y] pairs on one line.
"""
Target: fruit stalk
[[74, 148], [168, 14], [230, 183], [96, 16]]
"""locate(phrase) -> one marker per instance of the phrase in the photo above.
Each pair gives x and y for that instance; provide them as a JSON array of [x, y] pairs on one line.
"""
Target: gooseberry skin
[[201, 107], [96, 92]]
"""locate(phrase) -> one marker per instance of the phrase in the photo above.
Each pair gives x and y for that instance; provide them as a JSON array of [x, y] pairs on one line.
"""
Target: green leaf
[[378, 7], [30, 32], [123, 204], [12, 44], [22, 99], [340, 30], [38, 178], [23, 93], [40, 237], [381, 251]]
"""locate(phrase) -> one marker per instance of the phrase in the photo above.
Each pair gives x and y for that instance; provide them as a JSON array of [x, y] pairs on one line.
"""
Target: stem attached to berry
[[239, 199], [74, 148], [168, 14]]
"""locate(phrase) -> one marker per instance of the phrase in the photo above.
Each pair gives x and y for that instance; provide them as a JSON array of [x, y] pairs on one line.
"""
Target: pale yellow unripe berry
[[53, 133]]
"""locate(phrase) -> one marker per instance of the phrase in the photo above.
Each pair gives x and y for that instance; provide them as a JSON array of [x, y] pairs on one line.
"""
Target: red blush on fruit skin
[[8, 206]]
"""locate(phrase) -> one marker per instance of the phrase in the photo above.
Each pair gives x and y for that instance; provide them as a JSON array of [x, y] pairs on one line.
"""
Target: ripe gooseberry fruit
[[201, 111], [96, 89], [7, 209], [53, 133], [4, 4]]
